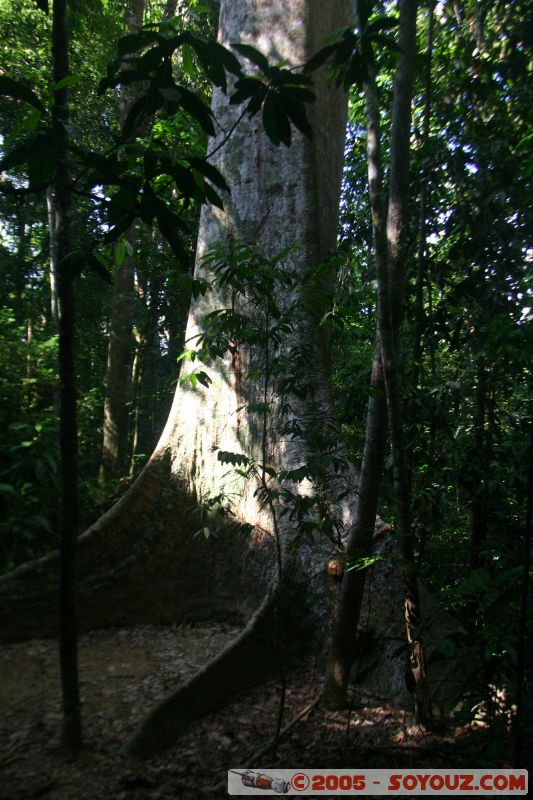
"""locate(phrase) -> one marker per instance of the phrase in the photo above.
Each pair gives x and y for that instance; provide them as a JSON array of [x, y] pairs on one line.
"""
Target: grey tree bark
[[54, 317], [115, 449]]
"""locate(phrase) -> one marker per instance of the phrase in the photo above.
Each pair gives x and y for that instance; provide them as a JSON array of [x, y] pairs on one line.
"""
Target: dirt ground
[[125, 672]]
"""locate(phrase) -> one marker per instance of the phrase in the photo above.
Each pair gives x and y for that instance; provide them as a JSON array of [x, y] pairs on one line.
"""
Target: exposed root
[[244, 662], [139, 563]]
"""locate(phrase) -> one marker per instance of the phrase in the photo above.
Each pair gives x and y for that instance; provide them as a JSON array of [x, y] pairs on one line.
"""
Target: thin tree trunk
[[29, 359], [136, 372], [422, 253], [389, 234], [54, 317], [520, 719], [390, 285], [479, 500], [359, 545], [20, 277], [115, 451], [116, 406], [68, 648]]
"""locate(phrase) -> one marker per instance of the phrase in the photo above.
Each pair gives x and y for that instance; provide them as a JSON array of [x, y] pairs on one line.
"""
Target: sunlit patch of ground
[[125, 672]]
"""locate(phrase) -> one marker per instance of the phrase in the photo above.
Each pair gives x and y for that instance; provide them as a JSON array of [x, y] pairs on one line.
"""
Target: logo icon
[[258, 780]]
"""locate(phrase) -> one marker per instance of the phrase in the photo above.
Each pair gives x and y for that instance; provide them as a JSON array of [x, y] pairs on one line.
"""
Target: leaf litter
[[125, 672]]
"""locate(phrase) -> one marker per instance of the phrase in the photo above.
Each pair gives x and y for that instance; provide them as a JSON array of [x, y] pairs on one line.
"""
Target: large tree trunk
[[141, 561], [280, 198]]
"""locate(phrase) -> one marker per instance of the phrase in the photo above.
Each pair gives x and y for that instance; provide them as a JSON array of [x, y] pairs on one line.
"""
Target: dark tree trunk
[[390, 293], [359, 546], [480, 456], [520, 719], [389, 235], [68, 424], [422, 251]]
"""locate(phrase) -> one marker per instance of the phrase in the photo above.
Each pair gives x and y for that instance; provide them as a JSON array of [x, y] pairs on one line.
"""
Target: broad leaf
[[197, 109], [320, 58], [136, 41], [69, 80], [253, 55], [17, 90], [210, 172], [275, 121]]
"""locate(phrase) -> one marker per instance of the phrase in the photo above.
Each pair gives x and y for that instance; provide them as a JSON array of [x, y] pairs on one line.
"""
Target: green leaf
[[102, 268], [382, 23], [42, 5], [210, 172], [297, 115], [37, 153], [70, 80], [133, 42], [212, 197], [29, 124], [203, 378], [184, 181], [77, 261], [134, 117], [17, 90], [187, 64], [120, 253], [253, 55], [235, 459], [275, 121], [230, 62], [210, 63], [297, 93], [197, 109], [357, 73], [122, 226], [270, 119], [249, 87], [43, 522], [169, 225], [363, 563], [386, 42], [320, 57]]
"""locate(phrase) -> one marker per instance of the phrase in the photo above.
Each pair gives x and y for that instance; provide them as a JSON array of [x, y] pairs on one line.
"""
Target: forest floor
[[125, 672]]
